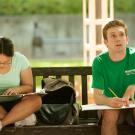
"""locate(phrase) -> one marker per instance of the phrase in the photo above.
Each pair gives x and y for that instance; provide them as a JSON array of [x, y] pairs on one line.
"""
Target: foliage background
[[22, 7], [26, 7]]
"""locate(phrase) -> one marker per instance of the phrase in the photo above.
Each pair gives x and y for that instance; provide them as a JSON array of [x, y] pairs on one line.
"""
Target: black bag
[[59, 103]]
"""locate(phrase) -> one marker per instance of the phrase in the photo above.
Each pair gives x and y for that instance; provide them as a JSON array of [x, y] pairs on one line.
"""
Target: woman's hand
[[11, 91]]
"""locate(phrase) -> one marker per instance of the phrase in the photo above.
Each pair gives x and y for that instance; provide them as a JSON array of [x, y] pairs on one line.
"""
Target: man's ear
[[127, 39], [105, 42]]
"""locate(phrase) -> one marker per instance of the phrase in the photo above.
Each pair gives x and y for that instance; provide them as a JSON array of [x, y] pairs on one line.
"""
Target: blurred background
[[51, 30]]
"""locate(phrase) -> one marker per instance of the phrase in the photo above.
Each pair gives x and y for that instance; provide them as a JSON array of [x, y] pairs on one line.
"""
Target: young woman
[[15, 79]]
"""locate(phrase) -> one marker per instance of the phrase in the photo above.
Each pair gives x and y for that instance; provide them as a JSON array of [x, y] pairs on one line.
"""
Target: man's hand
[[116, 102], [129, 94]]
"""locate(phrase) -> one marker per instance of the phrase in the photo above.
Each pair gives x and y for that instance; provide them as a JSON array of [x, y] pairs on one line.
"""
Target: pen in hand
[[120, 101], [112, 92]]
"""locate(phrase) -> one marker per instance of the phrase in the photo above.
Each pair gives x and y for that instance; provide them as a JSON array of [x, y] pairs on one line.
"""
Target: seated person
[[15, 78], [114, 76]]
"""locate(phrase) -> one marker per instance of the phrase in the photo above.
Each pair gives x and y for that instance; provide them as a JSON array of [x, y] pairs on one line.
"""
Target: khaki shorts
[[126, 116]]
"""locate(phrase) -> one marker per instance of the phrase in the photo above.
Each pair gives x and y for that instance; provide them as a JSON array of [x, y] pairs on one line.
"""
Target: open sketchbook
[[103, 107], [34, 93], [8, 98]]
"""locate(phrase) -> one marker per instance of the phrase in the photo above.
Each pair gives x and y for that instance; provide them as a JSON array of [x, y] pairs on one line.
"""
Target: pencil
[[112, 92], [132, 97]]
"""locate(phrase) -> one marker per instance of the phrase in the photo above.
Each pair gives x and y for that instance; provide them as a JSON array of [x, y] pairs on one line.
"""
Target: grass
[[53, 63], [56, 63]]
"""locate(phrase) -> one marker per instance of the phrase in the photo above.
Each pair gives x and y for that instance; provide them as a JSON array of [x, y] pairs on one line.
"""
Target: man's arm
[[100, 99], [129, 93]]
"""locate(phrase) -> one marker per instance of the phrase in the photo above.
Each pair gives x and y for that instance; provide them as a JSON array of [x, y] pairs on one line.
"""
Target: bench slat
[[71, 79], [86, 70], [84, 90]]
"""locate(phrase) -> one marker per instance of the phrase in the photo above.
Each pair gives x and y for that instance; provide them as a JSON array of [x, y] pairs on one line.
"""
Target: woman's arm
[[26, 83]]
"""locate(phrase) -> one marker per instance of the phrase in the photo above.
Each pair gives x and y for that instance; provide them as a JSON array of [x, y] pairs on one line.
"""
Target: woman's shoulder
[[20, 58], [19, 55]]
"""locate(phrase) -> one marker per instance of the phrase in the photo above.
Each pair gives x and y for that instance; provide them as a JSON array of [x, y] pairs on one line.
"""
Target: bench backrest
[[84, 72], [71, 72]]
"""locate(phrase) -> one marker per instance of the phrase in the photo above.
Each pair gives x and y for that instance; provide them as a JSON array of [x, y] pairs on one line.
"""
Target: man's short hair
[[114, 23]]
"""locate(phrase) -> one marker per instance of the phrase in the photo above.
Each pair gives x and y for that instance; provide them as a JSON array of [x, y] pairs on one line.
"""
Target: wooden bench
[[88, 119]]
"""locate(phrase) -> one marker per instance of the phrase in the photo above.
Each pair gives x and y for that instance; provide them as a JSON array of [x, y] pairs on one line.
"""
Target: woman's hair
[[114, 23], [6, 47]]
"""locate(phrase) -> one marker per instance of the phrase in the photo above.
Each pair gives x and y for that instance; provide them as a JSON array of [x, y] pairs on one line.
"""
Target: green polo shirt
[[114, 75]]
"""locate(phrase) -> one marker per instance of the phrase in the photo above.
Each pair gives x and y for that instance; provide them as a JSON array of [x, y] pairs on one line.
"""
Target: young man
[[114, 75]]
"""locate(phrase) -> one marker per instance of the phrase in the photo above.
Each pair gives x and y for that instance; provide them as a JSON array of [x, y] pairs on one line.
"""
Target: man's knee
[[110, 118]]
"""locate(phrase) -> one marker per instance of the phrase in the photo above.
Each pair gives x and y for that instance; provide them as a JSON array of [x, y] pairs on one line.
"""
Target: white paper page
[[103, 107]]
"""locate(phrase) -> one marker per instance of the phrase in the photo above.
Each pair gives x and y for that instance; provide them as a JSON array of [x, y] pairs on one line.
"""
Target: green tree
[[26, 7], [124, 5], [21, 7]]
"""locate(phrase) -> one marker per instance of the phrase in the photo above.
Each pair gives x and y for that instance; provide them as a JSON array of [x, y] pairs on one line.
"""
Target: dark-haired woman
[[15, 79]]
